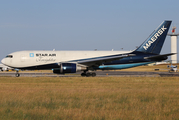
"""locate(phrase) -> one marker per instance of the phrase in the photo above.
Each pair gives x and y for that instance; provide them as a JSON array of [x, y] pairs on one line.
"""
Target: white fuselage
[[35, 58]]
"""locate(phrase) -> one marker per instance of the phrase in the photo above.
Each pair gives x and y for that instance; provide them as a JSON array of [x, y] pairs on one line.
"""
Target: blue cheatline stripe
[[122, 66]]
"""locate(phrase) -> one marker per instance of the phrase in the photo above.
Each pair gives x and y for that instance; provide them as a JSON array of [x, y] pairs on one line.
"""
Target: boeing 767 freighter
[[88, 61]]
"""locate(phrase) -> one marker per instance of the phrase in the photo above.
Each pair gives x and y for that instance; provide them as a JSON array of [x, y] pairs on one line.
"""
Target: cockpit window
[[9, 56]]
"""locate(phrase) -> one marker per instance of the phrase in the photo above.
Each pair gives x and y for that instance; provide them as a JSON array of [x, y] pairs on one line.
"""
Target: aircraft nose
[[3, 61]]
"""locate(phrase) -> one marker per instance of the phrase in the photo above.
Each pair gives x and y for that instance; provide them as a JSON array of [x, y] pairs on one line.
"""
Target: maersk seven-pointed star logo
[[31, 54]]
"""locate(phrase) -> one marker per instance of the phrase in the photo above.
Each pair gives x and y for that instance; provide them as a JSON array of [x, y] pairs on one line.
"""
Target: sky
[[82, 24]]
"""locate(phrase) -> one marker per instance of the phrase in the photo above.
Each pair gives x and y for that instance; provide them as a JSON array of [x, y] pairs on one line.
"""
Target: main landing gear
[[88, 74]]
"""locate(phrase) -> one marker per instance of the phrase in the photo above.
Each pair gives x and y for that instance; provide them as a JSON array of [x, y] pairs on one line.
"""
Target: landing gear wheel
[[17, 74], [83, 74], [88, 74], [93, 74]]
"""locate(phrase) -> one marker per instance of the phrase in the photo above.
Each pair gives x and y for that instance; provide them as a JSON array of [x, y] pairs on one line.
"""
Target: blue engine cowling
[[65, 68]]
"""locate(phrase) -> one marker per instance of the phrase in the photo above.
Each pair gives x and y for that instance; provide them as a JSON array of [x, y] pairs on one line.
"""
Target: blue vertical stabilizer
[[155, 41]]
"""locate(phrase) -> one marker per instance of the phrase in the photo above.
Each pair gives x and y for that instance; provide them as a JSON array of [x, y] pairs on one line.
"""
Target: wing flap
[[104, 59]]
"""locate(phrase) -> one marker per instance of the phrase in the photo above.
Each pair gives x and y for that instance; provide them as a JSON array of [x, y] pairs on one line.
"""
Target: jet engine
[[68, 68], [4, 69]]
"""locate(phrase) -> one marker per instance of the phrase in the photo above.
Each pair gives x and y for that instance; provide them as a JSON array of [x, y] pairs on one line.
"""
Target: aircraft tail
[[155, 41]]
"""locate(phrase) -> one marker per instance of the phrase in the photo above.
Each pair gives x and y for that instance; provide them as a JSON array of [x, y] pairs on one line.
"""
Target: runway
[[98, 74]]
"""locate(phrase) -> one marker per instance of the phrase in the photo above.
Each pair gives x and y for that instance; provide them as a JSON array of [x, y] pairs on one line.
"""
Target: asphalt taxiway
[[98, 74]]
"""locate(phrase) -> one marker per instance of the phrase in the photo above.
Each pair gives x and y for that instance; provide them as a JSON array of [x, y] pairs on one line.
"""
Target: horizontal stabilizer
[[159, 56]]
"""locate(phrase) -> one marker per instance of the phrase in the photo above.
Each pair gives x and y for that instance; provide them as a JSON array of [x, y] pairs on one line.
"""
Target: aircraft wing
[[99, 60], [158, 57]]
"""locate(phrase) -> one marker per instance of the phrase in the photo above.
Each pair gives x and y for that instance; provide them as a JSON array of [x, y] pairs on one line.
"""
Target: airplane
[[172, 68], [62, 62], [5, 68]]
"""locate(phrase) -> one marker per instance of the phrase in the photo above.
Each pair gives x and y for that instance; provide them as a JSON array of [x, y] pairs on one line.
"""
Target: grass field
[[99, 98]]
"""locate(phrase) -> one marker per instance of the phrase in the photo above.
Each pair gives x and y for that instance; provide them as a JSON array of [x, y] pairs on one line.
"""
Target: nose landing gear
[[17, 73]]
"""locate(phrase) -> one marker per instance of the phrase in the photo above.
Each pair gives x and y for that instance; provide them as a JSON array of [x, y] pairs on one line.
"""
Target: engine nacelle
[[68, 68], [4, 69]]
